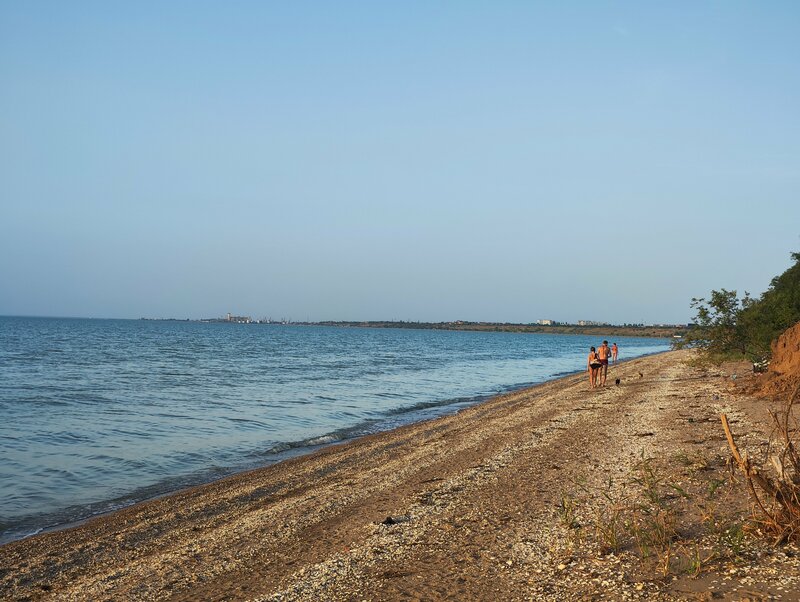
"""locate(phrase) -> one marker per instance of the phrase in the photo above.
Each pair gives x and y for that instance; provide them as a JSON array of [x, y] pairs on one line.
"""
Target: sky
[[488, 161]]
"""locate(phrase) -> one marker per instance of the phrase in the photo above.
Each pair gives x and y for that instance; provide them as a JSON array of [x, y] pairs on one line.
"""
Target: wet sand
[[475, 498]]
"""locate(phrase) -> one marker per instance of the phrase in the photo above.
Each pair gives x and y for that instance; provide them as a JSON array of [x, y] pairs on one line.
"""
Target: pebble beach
[[500, 501]]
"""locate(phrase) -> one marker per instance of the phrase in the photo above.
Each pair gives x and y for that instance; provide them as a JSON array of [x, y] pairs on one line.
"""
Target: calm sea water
[[98, 414]]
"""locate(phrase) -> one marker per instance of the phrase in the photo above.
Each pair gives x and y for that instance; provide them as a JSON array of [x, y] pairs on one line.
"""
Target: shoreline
[[473, 494], [285, 451], [282, 452]]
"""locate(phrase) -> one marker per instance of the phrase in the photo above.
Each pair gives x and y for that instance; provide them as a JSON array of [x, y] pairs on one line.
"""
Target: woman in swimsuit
[[593, 366]]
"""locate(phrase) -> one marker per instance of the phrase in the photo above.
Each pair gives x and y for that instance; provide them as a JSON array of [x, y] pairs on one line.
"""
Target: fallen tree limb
[[781, 514]]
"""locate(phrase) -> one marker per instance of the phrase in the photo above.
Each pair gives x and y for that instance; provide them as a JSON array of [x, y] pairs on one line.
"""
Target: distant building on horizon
[[545, 322], [238, 319]]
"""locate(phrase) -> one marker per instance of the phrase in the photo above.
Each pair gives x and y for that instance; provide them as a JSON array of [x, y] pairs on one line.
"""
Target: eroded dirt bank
[[503, 501]]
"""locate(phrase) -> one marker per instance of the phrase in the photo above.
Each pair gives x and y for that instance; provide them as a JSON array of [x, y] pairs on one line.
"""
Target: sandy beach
[[504, 501]]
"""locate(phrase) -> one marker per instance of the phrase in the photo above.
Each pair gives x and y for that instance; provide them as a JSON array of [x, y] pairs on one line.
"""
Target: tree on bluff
[[728, 325], [719, 330], [776, 310]]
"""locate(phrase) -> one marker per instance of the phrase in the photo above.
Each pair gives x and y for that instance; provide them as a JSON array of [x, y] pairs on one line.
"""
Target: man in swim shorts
[[603, 353], [614, 352]]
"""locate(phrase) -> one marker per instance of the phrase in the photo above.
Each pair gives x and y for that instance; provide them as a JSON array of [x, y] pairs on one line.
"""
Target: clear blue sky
[[503, 161]]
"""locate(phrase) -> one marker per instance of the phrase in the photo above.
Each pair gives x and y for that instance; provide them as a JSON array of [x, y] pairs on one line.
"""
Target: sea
[[96, 415]]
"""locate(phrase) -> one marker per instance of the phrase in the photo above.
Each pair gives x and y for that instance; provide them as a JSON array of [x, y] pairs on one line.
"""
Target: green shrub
[[727, 325]]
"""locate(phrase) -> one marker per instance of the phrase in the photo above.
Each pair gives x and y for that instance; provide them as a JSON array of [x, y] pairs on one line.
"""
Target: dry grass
[[674, 519]]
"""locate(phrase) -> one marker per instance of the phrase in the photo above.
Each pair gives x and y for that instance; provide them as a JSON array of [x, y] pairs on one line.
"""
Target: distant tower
[[229, 316]]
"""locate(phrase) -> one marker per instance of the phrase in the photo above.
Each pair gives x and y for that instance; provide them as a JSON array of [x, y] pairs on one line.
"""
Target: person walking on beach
[[614, 352], [593, 364], [603, 353]]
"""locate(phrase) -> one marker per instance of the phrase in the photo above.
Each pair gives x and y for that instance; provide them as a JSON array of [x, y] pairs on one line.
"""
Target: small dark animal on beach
[[616, 382]]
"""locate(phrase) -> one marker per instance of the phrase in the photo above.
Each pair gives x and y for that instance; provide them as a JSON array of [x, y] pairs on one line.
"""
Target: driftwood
[[746, 466], [778, 499]]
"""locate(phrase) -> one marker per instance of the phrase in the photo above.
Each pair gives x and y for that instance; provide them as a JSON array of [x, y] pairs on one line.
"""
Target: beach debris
[[641, 375], [396, 520], [776, 496], [760, 366]]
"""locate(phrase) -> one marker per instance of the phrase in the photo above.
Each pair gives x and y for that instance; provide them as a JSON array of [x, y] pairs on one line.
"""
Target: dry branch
[[779, 500]]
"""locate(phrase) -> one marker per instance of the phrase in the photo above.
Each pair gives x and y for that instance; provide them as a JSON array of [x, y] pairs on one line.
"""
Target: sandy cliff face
[[783, 375]]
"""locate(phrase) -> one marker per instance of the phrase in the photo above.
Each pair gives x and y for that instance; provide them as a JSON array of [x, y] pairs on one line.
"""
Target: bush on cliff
[[731, 326], [777, 310]]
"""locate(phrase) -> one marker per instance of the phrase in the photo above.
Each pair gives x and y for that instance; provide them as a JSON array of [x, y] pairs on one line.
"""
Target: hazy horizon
[[423, 162], [294, 320]]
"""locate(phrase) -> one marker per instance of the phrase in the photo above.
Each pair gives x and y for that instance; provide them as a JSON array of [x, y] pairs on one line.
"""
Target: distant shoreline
[[664, 332], [608, 330]]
